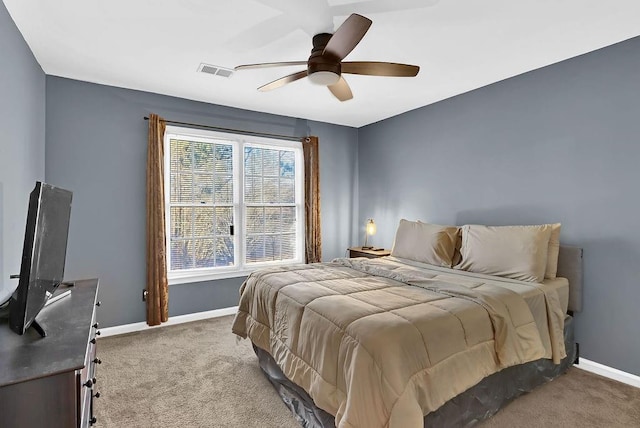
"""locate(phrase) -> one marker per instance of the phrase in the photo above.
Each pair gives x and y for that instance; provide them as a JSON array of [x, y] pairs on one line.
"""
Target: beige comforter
[[380, 344]]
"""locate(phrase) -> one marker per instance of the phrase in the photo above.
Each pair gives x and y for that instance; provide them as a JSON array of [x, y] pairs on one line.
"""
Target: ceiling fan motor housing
[[318, 61]]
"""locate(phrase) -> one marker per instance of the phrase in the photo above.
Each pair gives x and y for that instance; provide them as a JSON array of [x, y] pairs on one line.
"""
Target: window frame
[[238, 142]]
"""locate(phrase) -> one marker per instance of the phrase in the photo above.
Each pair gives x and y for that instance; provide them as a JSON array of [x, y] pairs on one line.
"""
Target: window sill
[[189, 278], [177, 278]]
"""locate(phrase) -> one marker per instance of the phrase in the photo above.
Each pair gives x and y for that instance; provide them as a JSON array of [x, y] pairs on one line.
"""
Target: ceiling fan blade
[[347, 36], [269, 64], [341, 90], [372, 68], [283, 81]]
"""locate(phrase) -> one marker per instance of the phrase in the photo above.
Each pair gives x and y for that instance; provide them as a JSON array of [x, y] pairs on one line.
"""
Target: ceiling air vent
[[215, 70]]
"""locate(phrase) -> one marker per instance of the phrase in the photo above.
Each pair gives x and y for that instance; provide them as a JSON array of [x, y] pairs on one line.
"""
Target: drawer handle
[[96, 325], [93, 340], [93, 420], [88, 383], [98, 303], [97, 361], [96, 395], [98, 333]]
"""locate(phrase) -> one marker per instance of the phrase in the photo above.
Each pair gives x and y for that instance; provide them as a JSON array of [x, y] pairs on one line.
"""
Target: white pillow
[[423, 242], [518, 252]]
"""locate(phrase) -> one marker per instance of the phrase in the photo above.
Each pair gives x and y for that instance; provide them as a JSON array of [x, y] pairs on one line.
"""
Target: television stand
[[57, 295], [52, 298], [4, 314], [38, 328]]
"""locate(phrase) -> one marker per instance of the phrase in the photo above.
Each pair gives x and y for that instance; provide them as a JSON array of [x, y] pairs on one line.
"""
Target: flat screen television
[[43, 255]]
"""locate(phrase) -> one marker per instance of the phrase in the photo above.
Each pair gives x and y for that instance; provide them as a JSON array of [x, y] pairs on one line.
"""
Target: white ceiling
[[460, 45]]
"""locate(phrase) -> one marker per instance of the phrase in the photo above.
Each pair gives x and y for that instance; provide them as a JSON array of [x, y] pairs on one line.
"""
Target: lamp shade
[[371, 227]]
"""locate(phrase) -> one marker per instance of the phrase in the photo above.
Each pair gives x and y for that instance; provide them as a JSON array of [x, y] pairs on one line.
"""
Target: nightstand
[[371, 254]]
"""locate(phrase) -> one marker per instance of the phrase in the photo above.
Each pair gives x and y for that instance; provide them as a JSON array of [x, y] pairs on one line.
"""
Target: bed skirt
[[476, 404]]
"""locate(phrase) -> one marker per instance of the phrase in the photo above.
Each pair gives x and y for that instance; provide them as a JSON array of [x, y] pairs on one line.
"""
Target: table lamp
[[370, 229]]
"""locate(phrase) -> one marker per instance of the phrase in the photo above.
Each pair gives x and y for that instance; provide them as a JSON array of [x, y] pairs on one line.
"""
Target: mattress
[[560, 285], [329, 327], [530, 292], [474, 405]]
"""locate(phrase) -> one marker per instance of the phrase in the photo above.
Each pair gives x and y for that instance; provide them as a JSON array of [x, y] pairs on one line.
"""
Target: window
[[233, 204]]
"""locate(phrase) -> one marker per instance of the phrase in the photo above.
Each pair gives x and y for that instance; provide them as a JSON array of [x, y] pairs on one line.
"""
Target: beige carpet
[[198, 375]]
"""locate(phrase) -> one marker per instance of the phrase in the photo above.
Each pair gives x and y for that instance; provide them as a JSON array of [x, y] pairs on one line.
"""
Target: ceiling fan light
[[325, 78]]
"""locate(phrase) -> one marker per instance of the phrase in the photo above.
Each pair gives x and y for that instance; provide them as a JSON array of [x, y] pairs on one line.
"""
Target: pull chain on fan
[[325, 66]]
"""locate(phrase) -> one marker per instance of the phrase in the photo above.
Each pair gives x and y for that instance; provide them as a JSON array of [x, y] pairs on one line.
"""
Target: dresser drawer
[[87, 378]]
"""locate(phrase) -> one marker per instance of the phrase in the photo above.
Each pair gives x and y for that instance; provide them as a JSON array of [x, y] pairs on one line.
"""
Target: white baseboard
[[610, 372], [180, 319]]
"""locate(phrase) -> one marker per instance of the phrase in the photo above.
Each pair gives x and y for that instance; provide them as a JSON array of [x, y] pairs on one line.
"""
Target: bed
[[396, 342]]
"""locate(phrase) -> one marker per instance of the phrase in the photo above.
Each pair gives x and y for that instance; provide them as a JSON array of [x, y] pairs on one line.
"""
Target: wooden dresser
[[50, 382]]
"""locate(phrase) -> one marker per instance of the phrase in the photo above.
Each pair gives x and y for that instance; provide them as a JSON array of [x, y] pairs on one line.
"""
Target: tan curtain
[[313, 240], [157, 284]]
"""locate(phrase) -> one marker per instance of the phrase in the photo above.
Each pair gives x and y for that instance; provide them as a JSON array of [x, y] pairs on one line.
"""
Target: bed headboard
[[570, 267]]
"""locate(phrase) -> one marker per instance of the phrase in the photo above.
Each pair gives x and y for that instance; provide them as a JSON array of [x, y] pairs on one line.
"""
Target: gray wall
[[22, 121], [96, 146], [557, 144]]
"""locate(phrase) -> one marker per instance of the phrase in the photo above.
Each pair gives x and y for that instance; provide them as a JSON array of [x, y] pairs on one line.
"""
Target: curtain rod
[[235, 131]]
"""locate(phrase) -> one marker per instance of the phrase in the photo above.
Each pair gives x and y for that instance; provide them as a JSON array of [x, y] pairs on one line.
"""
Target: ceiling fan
[[325, 65]]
